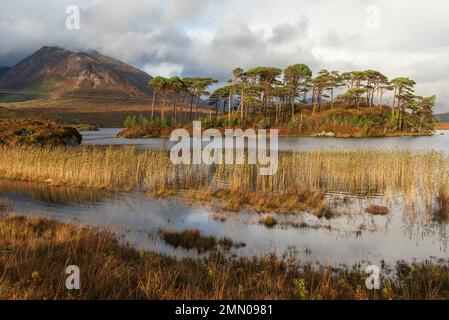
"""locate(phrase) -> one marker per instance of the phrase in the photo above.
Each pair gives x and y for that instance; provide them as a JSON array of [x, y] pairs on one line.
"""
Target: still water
[[355, 237], [438, 142], [136, 219]]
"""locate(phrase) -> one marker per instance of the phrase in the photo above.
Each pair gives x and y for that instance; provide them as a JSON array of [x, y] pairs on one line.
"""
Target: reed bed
[[48, 193], [418, 176]]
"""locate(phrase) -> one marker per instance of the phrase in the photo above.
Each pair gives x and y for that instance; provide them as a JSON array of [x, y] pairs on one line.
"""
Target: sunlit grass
[[418, 177], [35, 252]]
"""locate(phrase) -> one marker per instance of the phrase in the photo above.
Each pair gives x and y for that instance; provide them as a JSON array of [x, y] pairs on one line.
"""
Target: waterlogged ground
[[354, 237]]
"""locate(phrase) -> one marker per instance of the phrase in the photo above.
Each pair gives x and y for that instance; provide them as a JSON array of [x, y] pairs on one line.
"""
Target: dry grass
[[269, 222], [51, 194], [441, 126], [418, 176], [377, 210], [35, 252], [442, 207], [106, 113], [193, 239], [235, 199]]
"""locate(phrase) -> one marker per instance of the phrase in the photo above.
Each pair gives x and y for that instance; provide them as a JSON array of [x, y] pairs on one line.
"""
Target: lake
[[356, 237], [438, 142]]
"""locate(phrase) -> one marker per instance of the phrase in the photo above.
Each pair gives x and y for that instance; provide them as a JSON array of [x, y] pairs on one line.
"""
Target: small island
[[331, 104], [44, 133]]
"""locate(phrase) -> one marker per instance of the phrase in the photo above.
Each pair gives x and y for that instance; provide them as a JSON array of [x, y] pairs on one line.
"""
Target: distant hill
[[442, 117], [60, 72], [3, 70]]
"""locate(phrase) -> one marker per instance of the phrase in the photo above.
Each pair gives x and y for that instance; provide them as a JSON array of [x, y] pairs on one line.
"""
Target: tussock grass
[[35, 252], [377, 210], [269, 221], [193, 239], [286, 202], [442, 207], [48, 193]]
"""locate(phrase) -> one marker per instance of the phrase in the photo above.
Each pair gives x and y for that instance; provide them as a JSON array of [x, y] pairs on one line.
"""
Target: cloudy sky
[[211, 37]]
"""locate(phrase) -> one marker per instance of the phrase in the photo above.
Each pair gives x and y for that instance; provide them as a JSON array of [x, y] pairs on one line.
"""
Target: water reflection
[[57, 195], [437, 142], [353, 237]]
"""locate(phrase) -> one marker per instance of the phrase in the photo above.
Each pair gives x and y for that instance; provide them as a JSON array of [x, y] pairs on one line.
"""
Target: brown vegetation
[[287, 202], [441, 126], [377, 210], [193, 239], [418, 176], [330, 122], [38, 133], [145, 132], [269, 222], [105, 113], [442, 201], [36, 251]]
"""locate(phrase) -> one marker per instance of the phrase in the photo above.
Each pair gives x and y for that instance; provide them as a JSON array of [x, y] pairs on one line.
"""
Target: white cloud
[[164, 69], [211, 37]]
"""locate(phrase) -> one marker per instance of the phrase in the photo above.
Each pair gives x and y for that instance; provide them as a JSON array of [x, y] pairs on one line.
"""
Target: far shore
[[138, 133]]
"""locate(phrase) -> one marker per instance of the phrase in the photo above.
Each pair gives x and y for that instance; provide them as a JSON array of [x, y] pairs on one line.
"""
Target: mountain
[[3, 70], [60, 72], [442, 117]]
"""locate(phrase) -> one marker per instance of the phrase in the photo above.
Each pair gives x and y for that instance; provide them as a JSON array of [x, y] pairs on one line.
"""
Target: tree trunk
[[165, 104], [191, 108], [197, 106], [332, 98], [175, 106], [229, 105], [152, 105], [241, 107], [381, 98], [293, 106], [394, 98]]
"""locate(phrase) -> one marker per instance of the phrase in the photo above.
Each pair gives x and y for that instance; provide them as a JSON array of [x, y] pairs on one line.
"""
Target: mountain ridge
[[61, 71]]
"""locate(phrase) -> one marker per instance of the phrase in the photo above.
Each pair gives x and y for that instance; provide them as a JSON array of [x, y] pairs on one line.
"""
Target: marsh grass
[[235, 199], [35, 252], [269, 222], [53, 194], [418, 177], [442, 204], [377, 210], [193, 239]]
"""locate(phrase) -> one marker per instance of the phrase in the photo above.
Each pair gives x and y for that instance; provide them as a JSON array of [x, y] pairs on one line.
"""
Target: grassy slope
[[106, 113], [41, 88]]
